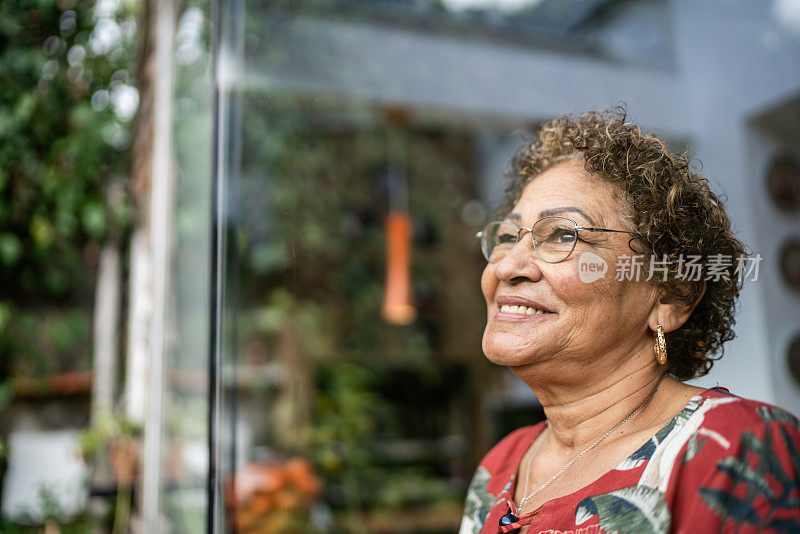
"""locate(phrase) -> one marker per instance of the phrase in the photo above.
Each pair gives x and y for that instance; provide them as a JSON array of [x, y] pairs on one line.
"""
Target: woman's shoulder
[[730, 461], [719, 433], [729, 413]]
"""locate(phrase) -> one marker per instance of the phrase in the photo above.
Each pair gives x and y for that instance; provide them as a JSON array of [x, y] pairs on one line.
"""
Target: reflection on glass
[[344, 419], [355, 385], [185, 448]]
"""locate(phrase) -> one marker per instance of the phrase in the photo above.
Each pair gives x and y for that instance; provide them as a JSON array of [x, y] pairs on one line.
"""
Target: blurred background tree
[[66, 102], [67, 99]]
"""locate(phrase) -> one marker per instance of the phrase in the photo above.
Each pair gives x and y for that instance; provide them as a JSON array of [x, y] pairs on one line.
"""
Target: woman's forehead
[[567, 187], [562, 211]]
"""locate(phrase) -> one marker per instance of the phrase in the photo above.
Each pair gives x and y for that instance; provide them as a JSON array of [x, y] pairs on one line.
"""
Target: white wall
[[735, 59]]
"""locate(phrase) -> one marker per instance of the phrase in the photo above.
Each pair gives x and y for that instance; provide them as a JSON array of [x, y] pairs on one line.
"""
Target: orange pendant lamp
[[397, 301], [397, 306]]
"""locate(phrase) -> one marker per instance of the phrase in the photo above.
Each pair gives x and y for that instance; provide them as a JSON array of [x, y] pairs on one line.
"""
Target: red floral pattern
[[723, 464]]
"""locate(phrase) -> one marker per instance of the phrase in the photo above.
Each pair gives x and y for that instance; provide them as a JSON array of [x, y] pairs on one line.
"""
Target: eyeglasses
[[553, 238]]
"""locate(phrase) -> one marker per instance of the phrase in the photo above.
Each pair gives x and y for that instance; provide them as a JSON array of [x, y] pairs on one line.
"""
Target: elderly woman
[[612, 276]]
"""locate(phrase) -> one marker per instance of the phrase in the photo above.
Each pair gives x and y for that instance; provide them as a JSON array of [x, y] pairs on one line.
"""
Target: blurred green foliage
[[66, 101], [54, 518], [108, 428], [314, 199], [312, 259]]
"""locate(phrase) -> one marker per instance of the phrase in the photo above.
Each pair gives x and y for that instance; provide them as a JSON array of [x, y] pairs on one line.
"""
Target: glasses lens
[[554, 238], [498, 239]]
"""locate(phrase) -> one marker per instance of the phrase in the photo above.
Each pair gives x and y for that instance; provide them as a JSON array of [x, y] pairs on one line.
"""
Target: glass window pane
[[353, 374]]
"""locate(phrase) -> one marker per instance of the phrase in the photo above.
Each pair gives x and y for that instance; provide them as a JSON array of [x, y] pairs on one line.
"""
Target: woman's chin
[[502, 349]]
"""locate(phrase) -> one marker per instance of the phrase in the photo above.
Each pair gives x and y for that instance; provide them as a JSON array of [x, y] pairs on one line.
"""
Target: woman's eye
[[561, 236], [506, 238]]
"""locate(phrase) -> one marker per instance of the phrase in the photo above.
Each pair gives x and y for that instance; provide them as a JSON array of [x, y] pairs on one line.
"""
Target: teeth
[[523, 310]]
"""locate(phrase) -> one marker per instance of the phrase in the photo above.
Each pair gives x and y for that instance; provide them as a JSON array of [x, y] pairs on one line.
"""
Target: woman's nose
[[521, 263]]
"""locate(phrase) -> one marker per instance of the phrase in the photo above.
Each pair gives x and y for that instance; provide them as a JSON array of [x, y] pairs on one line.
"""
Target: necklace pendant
[[509, 519]]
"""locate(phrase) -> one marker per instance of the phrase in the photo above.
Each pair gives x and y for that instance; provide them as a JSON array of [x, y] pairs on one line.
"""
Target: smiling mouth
[[522, 310]]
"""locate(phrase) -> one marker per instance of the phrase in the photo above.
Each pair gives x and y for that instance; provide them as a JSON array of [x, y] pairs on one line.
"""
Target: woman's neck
[[578, 412]]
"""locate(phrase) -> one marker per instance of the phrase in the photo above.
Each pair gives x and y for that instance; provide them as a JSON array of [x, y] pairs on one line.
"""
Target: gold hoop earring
[[660, 346]]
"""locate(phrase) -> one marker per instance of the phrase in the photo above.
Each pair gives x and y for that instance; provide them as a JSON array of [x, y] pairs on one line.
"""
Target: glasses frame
[[480, 235]]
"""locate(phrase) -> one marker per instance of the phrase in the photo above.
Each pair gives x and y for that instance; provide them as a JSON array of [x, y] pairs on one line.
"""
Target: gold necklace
[[527, 496]]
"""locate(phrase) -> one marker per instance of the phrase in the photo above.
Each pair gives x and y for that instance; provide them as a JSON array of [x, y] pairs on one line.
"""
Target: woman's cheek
[[571, 286], [488, 284]]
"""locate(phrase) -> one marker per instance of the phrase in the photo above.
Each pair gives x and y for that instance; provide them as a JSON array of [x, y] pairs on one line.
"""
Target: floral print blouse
[[723, 464]]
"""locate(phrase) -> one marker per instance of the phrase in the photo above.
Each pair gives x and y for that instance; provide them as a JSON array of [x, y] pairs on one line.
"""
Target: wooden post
[[160, 241], [106, 322]]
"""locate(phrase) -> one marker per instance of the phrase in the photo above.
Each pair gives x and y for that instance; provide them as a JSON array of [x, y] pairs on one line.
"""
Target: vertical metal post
[[228, 73]]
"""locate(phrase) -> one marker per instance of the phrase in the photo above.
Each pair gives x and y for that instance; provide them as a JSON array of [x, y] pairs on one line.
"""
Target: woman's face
[[585, 320]]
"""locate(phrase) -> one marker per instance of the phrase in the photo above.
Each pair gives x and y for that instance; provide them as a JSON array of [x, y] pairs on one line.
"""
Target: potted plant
[[116, 439]]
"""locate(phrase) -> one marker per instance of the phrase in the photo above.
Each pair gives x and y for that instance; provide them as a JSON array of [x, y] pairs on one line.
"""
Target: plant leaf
[[635, 509], [478, 501], [729, 506], [767, 461], [774, 414], [774, 463], [693, 446], [793, 453], [784, 525], [740, 472]]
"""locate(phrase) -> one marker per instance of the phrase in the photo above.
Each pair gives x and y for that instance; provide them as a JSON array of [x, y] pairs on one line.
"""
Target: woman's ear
[[672, 312]]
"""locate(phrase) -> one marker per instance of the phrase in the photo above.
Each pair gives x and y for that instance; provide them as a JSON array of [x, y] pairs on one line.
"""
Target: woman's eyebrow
[[566, 209]]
